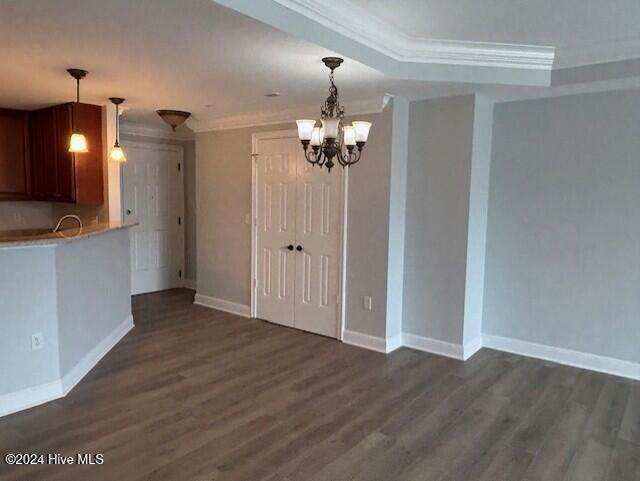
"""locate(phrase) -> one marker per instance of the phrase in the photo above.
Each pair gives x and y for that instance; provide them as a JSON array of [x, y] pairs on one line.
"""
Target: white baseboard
[[90, 359], [30, 397], [222, 305], [394, 343], [593, 362], [471, 347], [373, 343], [434, 346], [36, 395], [190, 284]]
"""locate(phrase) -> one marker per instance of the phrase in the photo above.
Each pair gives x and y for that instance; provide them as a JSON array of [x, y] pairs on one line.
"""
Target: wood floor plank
[[194, 394]]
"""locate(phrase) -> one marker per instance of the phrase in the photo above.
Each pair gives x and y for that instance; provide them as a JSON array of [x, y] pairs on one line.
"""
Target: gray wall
[[223, 186], [25, 311], [563, 240], [94, 293], [439, 168], [368, 230]]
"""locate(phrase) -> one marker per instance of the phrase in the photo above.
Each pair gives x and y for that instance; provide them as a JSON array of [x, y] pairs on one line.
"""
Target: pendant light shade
[[117, 154], [77, 142]]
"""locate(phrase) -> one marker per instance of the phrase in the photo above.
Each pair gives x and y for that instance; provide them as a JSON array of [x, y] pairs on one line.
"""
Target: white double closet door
[[297, 254]]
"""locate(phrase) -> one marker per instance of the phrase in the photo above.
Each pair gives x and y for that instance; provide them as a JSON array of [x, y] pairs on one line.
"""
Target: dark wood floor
[[192, 394]]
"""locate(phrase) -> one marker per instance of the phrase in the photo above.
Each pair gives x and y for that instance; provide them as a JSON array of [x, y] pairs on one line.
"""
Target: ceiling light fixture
[[117, 154], [174, 118], [77, 142], [332, 139]]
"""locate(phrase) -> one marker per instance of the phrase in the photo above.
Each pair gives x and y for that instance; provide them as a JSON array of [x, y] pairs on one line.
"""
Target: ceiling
[[199, 56], [604, 29], [164, 54]]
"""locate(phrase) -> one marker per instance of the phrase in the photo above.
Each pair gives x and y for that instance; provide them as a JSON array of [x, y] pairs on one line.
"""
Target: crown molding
[[146, 130], [378, 35], [362, 107]]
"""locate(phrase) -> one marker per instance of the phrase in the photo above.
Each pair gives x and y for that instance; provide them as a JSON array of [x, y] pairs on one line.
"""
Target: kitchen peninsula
[[66, 301]]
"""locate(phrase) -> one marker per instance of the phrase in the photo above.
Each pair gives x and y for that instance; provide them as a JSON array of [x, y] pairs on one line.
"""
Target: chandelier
[[332, 140]]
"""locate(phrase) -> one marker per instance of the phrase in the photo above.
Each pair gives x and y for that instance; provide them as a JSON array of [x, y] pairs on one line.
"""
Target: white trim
[[393, 343], [222, 305], [358, 24], [144, 130], [190, 284], [373, 343], [36, 395], [569, 357], [253, 309], [342, 312], [29, 397], [434, 346], [90, 359], [471, 347], [255, 119]]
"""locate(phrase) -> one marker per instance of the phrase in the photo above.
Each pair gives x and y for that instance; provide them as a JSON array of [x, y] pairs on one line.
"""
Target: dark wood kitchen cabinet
[[15, 180], [59, 175]]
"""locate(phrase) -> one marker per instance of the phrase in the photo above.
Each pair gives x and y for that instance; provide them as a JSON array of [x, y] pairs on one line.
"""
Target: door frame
[[177, 178], [344, 201]]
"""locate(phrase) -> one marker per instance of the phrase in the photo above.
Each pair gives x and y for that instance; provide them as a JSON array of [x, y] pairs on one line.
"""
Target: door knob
[[128, 211], [290, 247], [299, 248]]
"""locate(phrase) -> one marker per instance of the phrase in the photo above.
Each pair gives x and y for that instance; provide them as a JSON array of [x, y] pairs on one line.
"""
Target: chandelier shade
[[333, 140], [305, 128]]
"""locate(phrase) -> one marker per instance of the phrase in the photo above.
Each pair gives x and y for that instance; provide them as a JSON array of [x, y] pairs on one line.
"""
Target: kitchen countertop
[[43, 237]]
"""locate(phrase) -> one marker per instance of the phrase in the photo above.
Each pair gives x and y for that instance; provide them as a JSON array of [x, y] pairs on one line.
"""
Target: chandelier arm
[[349, 158]]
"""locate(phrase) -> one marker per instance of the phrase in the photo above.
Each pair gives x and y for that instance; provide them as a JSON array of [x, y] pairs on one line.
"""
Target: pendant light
[[174, 118], [117, 154], [77, 142]]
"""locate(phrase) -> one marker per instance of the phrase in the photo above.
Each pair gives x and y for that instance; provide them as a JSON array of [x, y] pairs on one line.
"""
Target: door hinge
[[179, 166], [255, 283], [179, 220], [180, 273]]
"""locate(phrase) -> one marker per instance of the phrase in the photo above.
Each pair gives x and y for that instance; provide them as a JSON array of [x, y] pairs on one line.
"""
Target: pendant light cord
[[78, 91], [117, 123]]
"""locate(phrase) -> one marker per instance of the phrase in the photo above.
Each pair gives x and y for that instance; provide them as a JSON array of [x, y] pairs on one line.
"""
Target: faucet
[[68, 216]]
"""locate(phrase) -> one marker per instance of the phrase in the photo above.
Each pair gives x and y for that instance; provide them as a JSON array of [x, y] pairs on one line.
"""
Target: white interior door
[[318, 221], [276, 230], [297, 244], [152, 185]]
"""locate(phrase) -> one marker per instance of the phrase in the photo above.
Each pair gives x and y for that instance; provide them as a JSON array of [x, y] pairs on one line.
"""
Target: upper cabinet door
[[14, 155], [58, 175], [43, 155], [65, 190]]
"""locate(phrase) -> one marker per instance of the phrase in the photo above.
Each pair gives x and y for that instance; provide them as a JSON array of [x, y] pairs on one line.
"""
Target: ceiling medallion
[[332, 139]]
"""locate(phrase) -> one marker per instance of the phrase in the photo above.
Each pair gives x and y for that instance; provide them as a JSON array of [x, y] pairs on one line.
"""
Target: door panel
[[276, 195], [318, 232], [152, 200]]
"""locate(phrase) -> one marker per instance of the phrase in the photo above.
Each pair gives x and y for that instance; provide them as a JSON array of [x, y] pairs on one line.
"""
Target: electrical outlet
[[366, 303], [37, 341]]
